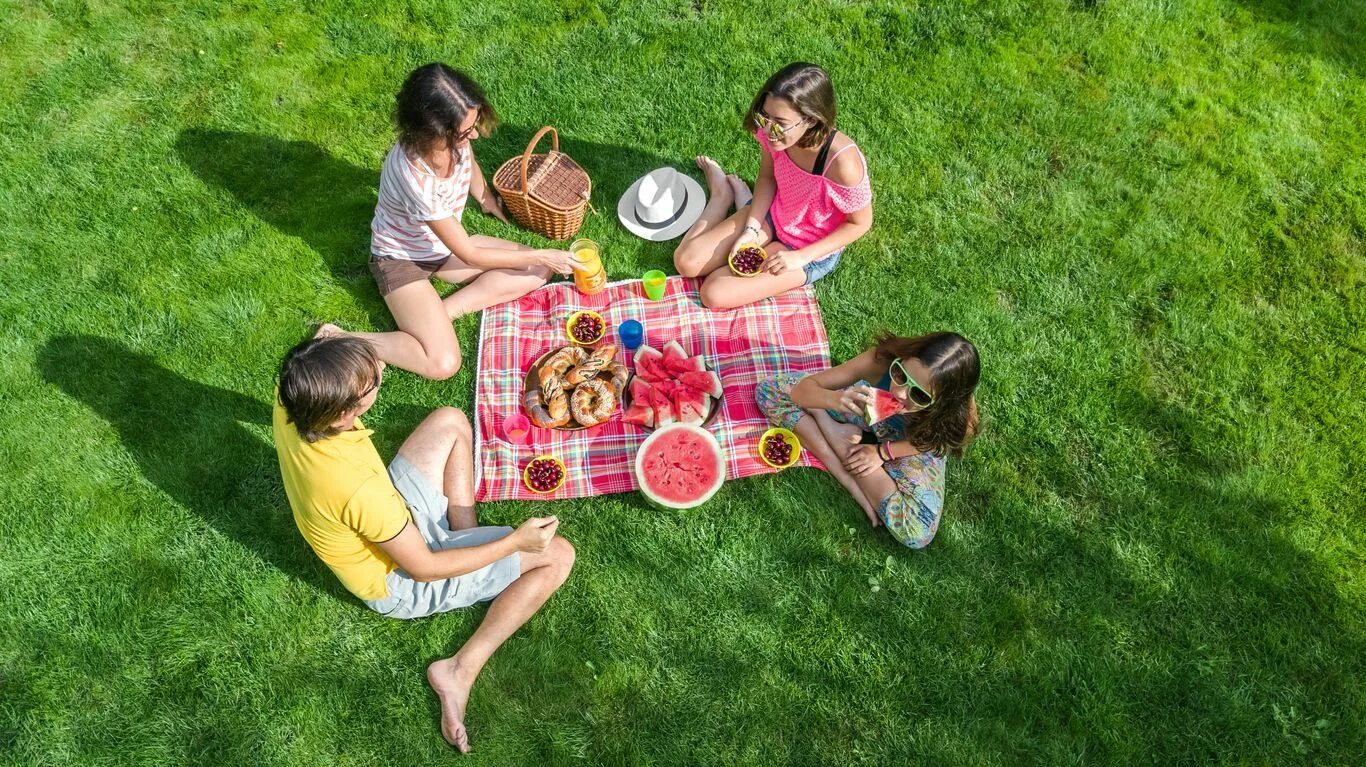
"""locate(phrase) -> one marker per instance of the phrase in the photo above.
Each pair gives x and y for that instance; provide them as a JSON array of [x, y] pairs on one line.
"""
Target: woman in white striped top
[[416, 233]]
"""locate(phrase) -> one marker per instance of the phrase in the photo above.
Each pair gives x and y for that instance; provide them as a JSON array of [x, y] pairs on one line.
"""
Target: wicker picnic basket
[[546, 193]]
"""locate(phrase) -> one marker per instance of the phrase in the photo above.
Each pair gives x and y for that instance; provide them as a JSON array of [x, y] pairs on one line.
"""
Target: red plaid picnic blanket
[[744, 346]]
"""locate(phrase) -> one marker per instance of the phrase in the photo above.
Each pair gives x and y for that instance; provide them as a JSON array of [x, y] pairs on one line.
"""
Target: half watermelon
[[680, 466]]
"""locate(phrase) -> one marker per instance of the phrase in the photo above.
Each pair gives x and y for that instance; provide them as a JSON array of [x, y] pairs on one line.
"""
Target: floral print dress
[[911, 512]]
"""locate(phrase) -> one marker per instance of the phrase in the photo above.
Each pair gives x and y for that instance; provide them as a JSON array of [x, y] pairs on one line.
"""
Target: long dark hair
[[433, 102], [949, 424], [809, 89], [322, 378]]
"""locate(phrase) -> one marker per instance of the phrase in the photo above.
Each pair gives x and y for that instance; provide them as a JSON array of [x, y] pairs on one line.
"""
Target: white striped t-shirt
[[409, 196]]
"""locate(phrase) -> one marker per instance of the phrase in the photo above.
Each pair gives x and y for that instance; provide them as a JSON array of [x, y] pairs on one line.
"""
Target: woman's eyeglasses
[[916, 393], [777, 130]]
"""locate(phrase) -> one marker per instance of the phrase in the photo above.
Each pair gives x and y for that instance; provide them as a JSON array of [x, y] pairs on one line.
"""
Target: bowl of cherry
[[544, 474], [585, 327], [746, 261], [779, 448]]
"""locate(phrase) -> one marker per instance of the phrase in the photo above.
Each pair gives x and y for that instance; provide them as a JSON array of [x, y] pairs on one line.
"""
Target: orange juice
[[589, 276]]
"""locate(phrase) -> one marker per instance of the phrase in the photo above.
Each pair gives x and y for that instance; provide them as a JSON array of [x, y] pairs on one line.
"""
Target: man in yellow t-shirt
[[404, 538]]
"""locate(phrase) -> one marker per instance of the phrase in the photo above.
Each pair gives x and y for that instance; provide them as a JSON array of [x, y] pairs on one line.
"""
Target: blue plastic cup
[[632, 333]]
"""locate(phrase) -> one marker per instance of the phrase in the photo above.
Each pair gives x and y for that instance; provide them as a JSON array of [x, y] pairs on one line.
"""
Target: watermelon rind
[[691, 405], [673, 350], [707, 383], [661, 434], [649, 364]]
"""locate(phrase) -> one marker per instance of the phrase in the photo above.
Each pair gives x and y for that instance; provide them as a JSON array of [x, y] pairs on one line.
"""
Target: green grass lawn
[[1150, 216]]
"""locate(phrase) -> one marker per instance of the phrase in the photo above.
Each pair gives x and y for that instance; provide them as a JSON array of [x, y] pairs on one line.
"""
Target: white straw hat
[[661, 205]]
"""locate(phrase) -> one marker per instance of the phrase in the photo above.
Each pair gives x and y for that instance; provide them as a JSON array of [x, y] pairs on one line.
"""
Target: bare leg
[[837, 438], [451, 678], [485, 288], [425, 343], [706, 245], [724, 290], [442, 448]]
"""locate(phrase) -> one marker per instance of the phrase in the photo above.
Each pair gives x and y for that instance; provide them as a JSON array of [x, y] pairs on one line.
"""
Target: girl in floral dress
[[894, 469]]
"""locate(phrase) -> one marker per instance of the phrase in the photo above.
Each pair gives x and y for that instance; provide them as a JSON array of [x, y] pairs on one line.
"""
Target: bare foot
[[453, 691], [328, 330], [741, 191], [717, 186], [844, 436]]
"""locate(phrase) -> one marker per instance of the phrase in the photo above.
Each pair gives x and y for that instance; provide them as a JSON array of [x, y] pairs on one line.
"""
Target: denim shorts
[[816, 269]]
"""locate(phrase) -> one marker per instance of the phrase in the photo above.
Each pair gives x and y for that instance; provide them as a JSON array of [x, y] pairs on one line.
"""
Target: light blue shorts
[[415, 599], [818, 269]]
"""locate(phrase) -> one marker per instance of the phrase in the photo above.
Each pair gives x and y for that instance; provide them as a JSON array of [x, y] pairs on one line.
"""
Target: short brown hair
[[809, 89], [322, 378]]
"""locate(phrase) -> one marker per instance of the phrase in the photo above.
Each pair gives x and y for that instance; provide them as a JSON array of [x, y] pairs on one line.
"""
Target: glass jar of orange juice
[[589, 275]]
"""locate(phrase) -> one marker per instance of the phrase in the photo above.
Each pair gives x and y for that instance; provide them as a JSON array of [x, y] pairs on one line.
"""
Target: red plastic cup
[[516, 427]]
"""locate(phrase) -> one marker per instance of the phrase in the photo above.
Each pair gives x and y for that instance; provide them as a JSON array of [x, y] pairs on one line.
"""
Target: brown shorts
[[393, 273]]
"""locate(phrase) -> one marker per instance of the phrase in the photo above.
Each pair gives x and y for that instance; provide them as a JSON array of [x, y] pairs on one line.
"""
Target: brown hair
[[949, 424], [322, 378], [433, 102], [810, 91]]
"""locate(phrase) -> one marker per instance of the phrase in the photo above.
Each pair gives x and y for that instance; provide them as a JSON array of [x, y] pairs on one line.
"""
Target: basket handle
[[526, 156]]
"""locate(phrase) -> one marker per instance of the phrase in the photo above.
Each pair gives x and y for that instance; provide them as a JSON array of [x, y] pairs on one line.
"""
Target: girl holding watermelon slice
[[887, 443]]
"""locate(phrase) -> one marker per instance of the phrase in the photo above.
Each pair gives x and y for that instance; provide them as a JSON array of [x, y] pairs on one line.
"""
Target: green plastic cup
[[653, 281]]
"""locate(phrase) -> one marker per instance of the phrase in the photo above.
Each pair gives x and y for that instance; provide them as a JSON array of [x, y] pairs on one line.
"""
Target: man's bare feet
[[328, 330], [741, 191], [453, 690], [717, 186]]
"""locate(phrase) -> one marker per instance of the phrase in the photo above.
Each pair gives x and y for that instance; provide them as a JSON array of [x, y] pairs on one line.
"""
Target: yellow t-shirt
[[343, 502]]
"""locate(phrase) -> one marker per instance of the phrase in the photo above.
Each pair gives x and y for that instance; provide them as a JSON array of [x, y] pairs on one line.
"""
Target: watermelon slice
[[649, 364], [680, 466], [639, 389], [663, 407], [882, 407], [707, 383], [673, 352], [678, 367], [691, 405], [668, 386], [640, 413]]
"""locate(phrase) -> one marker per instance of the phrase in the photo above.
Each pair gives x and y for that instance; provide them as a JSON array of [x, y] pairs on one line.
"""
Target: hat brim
[[692, 210]]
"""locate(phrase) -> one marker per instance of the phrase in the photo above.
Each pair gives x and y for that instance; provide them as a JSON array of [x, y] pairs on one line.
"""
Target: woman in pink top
[[416, 233], [812, 197]]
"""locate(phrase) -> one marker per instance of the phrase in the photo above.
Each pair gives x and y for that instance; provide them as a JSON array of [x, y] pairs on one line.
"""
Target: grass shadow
[[188, 439], [301, 190], [1326, 28]]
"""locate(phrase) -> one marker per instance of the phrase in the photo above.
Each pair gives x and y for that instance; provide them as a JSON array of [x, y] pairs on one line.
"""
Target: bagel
[[596, 363], [593, 402], [551, 385], [620, 375], [559, 363], [543, 416]]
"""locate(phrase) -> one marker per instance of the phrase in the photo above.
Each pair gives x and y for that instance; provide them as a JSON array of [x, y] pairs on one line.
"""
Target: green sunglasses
[[916, 393]]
